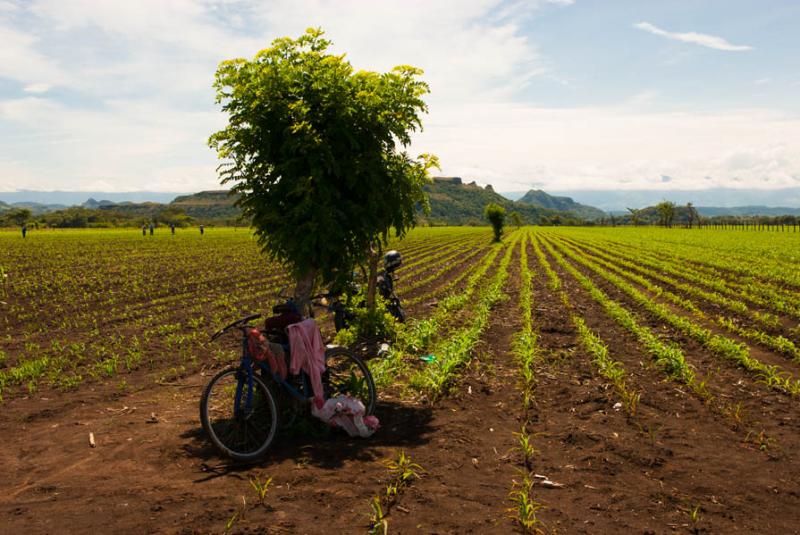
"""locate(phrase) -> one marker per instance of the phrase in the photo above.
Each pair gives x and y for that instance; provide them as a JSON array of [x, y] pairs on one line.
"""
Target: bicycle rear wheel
[[240, 433], [346, 374]]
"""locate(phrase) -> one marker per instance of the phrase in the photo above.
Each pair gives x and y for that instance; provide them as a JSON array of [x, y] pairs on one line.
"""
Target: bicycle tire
[[341, 368], [230, 434]]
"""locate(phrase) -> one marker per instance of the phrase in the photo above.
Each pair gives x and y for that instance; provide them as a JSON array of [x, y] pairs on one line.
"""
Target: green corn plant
[[526, 447], [378, 524], [526, 508], [260, 487], [236, 516], [694, 514], [403, 469]]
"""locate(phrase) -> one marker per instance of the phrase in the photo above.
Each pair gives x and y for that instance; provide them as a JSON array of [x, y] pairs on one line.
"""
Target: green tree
[[635, 215], [496, 215], [516, 219], [316, 152], [692, 215], [18, 216], [666, 213]]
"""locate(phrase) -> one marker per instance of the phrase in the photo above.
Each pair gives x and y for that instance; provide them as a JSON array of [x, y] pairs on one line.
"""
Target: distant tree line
[[80, 217], [668, 214]]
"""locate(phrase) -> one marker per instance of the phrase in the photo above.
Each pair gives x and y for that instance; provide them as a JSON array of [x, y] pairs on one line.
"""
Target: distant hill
[[91, 203], [36, 208], [620, 199], [132, 209], [75, 198], [537, 197], [454, 203], [217, 204], [451, 201]]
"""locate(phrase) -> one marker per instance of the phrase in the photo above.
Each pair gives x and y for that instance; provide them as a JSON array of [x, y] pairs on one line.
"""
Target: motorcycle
[[342, 317]]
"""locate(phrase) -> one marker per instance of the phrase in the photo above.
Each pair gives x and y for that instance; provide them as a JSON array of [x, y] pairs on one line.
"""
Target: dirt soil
[[679, 465]]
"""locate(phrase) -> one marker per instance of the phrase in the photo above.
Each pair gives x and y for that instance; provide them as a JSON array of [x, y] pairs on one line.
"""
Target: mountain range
[[731, 199], [452, 202]]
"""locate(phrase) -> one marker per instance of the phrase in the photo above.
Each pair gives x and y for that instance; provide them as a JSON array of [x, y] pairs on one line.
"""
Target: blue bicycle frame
[[247, 366]]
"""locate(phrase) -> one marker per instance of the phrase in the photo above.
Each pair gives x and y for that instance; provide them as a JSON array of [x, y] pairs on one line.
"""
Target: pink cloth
[[261, 349], [307, 353], [348, 413]]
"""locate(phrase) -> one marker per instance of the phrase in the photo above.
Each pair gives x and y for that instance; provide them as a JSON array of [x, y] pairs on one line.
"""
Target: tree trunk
[[372, 279], [303, 291]]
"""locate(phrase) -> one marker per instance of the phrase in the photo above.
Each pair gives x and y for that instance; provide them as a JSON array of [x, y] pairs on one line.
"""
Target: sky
[[105, 95]]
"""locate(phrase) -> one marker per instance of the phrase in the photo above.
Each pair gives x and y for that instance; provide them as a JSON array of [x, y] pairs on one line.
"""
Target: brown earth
[[152, 471], [676, 454]]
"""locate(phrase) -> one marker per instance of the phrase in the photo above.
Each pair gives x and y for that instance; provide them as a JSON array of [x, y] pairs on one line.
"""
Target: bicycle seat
[[284, 308]]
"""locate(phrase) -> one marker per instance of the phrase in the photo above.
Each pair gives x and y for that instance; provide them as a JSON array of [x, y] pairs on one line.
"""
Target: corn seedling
[[260, 487], [402, 469], [236, 516], [378, 525], [694, 514], [526, 447], [526, 508]]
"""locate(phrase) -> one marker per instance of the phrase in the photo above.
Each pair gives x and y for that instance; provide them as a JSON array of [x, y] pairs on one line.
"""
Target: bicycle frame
[[247, 365]]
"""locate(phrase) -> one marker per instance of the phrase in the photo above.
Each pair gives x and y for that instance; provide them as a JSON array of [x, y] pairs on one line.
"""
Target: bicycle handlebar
[[240, 323]]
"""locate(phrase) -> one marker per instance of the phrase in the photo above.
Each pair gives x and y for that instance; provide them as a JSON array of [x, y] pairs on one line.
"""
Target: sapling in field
[[496, 215]]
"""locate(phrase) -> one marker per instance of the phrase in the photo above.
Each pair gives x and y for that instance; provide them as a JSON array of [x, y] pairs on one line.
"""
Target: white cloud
[[37, 88], [20, 61], [141, 72], [518, 146], [144, 72], [129, 145], [470, 50], [710, 41]]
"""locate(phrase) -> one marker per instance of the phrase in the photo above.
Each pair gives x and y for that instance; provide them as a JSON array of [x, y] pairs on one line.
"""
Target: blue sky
[[558, 94]]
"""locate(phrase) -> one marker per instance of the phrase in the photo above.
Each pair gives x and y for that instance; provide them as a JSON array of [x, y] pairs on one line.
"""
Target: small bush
[[496, 215], [366, 325]]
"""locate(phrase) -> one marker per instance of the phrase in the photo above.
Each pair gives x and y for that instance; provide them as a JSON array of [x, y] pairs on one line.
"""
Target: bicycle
[[240, 410]]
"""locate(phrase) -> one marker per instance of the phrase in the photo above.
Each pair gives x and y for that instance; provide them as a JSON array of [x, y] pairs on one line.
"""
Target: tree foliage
[[666, 213], [315, 150], [692, 215], [496, 215], [635, 216], [17, 216]]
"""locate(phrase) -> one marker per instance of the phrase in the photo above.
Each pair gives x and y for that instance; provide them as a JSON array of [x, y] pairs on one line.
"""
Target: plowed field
[[629, 380]]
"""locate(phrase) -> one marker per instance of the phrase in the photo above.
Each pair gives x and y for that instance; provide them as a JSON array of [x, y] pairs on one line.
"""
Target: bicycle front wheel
[[240, 430], [346, 374]]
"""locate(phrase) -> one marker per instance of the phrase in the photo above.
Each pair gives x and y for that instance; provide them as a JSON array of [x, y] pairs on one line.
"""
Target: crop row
[[734, 288], [777, 343], [719, 345], [94, 304], [668, 357], [443, 335]]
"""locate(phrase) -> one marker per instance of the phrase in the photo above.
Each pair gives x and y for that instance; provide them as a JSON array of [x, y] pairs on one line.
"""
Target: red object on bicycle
[[258, 346]]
